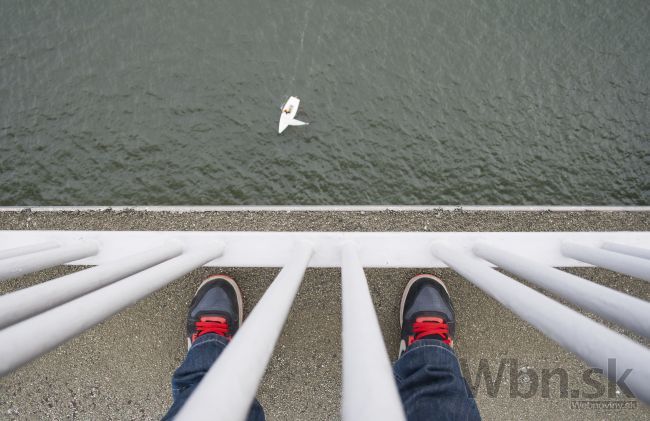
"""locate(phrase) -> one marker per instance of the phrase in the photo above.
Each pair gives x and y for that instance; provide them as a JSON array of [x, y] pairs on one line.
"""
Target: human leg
[[427, 372], [213, 318]]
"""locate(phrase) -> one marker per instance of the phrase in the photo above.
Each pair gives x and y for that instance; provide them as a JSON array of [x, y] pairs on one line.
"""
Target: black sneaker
[[215, 308], [426, 312]]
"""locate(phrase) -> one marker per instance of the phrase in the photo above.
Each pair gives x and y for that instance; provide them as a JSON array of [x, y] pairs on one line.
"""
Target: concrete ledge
[[430, 220]]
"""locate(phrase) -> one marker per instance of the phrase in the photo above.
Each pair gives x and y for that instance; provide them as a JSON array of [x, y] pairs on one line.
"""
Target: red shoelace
[[211, 324], [425, 326]]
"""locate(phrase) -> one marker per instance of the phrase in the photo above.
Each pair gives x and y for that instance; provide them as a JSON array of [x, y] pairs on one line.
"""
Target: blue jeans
[[202, 354], [431, 384], [428, 377]]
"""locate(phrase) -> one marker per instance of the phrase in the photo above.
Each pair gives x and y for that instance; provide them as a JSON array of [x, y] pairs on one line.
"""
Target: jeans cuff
[[209, 337], [429, 342]]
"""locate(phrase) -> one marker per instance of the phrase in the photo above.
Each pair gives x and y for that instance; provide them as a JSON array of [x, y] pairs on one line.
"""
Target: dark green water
[[411, 102]]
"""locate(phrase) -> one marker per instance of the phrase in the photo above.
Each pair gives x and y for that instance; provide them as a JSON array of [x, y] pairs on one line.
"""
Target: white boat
[[289, 111]]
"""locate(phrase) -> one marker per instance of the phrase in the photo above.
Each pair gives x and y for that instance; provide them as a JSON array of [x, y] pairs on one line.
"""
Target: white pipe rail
[[24, 341], [629, 312], [32, 248], [628, 265], [27, 302], [376, 249], [591, 341], [629, 250], [369, 389], [20, 265], [228, 388]]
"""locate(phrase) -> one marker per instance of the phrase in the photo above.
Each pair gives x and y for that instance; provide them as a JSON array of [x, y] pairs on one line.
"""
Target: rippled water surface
[[410, 102]]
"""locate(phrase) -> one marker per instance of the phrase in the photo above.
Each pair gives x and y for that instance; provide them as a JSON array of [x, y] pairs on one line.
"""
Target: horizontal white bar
[[228, 388], [33, 248], [629, 312], [629, 265], [21, 304], [376, 249], [20, 265], [591, 341], [629, 250], [26, 340], [369, 389], [329, 208]]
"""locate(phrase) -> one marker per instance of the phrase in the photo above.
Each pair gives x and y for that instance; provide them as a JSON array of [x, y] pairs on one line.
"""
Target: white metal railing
[[376, 249], [128, 266]]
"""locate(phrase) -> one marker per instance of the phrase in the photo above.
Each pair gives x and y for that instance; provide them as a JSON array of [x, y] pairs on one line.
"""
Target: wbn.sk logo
[[526, 382]]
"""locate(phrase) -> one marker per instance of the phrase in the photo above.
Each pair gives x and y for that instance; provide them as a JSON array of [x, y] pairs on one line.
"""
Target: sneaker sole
[[240, 304], [408, 288]]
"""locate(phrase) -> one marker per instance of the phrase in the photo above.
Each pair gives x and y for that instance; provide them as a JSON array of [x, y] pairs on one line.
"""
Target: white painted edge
[[328, 208]]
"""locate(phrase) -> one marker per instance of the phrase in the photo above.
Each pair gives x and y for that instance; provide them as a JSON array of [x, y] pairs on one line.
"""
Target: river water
[[410, 102]]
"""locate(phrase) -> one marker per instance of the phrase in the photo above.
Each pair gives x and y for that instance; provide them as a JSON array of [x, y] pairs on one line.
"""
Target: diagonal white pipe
[[24, 341], [629, 312], [369, 389], [589, 340], [228, 388], [20, 265], [24, 303], [32, 248], [628, 265], [625, 249]]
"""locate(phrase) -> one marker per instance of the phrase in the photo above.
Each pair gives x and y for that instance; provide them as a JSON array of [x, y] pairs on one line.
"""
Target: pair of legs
[[427, 372]]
